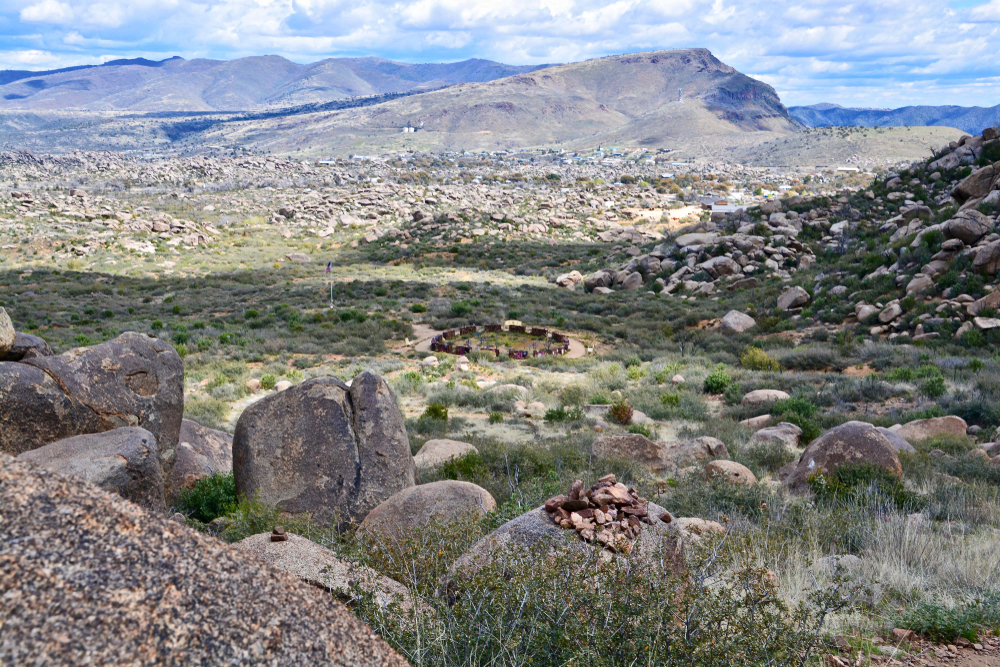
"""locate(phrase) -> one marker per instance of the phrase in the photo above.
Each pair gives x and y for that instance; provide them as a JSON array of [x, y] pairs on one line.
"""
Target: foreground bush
[[209, 498]]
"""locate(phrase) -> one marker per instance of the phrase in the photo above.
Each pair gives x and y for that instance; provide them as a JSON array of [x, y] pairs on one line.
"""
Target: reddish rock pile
[[609, 513]]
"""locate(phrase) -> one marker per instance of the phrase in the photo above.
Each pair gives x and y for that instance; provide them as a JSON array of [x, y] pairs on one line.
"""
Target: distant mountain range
[[968, 119], [176, 84]]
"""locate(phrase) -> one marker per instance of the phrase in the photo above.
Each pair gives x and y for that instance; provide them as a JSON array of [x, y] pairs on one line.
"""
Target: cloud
[[47, 11], [810, 50]]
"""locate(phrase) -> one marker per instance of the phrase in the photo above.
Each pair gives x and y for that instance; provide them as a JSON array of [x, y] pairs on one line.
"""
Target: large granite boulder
[[324, 449], [89, 578], [26, 346], [925, 429], [730, 471], [658, 456], [536, 530], [133, 380], [848, 444], [987, 259], [7, 333], [125, 461], [784, 433], [317, 565], [969, 226], [793, 297], [735, 322], [201, 452], [416, 506], [976, 185]]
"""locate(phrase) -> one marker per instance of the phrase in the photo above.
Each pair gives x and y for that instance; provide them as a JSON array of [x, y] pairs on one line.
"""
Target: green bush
[[670, 399], [718, 380], [267, 382], [641, 429], [436, 411], [635, 372], [756, 359], [210, 497], [633, 361], [621, 412], [933, 387], [851, 481], [418, 308], [496, 417], [942, 624]]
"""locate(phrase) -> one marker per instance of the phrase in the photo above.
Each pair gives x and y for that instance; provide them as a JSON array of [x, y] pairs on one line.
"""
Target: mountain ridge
[[968, 119]]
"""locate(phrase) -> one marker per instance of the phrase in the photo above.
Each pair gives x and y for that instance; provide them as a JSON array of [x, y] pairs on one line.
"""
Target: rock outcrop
[[92, 579], [132, 380], [125, 461], [324, 449], [436, 452]]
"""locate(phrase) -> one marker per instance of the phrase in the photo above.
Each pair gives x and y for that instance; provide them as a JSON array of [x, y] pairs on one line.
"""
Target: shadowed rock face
[[133, 380], [125, 461], [26, 346], [324, 449], [201, 451], [93, 579]]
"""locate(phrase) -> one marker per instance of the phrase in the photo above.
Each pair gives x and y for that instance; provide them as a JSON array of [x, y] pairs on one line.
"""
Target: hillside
[[251, 83], [968, 119], [629, 100]]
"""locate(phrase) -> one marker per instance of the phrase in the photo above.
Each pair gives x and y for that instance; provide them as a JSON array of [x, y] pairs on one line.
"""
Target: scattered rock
[[784, 433], [734, 472], [125, 461], [658, 456], [429, 362], [298, 257], [736, 322], [757, 423], [323, 449], [85, 599], [794, 297], [436, 452]]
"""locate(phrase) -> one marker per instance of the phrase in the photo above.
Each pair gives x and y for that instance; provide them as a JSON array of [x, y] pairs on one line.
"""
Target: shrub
[[850, 481], [635, 372], [210, 497], [633, 361], [933, 388], [598, 399], [769, 456], [267, 382], [756, 359], [670, 400], [641, 429], [496, 417], [941, 624], [156, 325], [621, 412], [182, 350], [211, 412], [418, 308], [573, 394], [436, 411], [718, 380]]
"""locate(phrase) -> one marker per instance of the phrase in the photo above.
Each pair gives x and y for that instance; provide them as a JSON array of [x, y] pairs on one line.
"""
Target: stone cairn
[[609, 513]]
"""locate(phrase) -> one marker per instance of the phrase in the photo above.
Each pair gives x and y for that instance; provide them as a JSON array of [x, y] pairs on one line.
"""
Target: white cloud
[[811, 50], [47, 11]]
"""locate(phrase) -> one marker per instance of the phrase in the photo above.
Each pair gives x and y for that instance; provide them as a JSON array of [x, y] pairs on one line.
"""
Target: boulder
[[763, 397], [735, 322], [784, 433], [125, 461], [969, 226], [436, 452], [850, 443], [92, 579], [317, 565], [921, 282], [896, 440], [987, 259], [570, 280], [598, 279], [890, 313], [201, 452], [324, 449], [976, 185], [536, 529], [925, 429], [298, 257], [132, 380], [26, 346], [416, 506], [864, 312], [429, 362], [7, 333], [757, 423], [632, 282], [794, 297], [720, 266], [731, 471], [685, 240], [658, 456]]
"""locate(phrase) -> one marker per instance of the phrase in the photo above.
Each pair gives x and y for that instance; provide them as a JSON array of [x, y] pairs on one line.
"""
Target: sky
[[877, 53]]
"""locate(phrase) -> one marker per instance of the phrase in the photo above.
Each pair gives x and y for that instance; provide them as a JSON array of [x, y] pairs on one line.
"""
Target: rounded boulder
[[417, 506], [852, 443]]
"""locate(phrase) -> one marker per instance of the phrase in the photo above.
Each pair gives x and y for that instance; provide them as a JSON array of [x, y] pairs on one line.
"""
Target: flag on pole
[[329, 267]]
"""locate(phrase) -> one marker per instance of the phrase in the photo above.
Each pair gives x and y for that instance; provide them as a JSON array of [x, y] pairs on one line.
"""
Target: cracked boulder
[[125, 461], [323, 449], [133, 380]]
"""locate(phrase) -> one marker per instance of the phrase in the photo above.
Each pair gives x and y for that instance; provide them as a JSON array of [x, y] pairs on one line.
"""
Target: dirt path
[[423, 335]]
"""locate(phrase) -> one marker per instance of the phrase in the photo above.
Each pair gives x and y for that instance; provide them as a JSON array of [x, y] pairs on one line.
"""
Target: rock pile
[[608, 513]]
